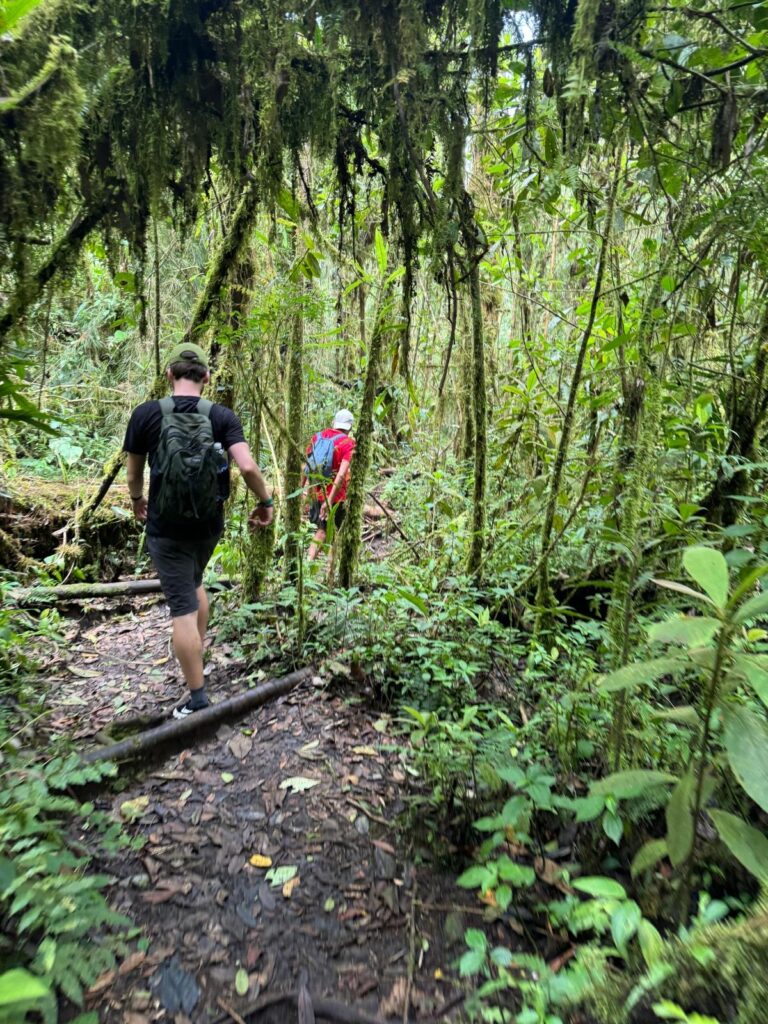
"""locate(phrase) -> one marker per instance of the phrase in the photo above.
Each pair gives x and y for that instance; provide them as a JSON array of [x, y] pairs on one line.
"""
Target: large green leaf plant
[[725, 717]]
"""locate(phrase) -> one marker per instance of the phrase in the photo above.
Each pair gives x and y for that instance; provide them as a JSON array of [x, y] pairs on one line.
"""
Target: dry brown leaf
[[386, 847], [131, 963], [102, 982], [289, 886], [240, 746], [394, 1004]]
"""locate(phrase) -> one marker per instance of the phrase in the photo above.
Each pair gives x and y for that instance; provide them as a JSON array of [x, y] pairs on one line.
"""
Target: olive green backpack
[[186, 464]]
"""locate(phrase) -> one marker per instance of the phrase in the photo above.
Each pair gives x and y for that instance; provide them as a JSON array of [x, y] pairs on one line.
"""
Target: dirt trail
[[308, 786]]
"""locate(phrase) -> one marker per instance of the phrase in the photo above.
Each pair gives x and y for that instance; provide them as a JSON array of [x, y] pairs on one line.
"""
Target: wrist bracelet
[[267, 503], [135, 499]]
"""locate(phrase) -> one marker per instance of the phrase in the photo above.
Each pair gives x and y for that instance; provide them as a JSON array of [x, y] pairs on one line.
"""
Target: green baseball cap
[[188, 352]]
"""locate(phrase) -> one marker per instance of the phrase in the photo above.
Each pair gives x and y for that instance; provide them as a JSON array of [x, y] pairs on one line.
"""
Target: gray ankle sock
[[198, 699]]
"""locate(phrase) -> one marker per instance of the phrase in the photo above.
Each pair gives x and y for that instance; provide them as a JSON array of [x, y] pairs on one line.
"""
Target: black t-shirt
[[141, 438]]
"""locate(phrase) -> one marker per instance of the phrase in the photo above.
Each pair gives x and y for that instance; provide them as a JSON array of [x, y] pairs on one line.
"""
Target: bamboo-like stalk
[[543, 591], [351, 533]]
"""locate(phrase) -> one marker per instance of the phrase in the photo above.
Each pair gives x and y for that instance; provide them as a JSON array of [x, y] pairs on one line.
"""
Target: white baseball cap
[[343, 420]]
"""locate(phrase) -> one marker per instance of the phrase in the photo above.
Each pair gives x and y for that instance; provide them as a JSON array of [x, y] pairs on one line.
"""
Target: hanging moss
[[173, 88]]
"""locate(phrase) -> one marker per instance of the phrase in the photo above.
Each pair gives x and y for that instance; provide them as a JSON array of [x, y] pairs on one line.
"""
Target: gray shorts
[[180, 565]]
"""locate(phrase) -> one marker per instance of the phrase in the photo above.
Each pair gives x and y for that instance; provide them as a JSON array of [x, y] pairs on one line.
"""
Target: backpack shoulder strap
[[166, 405], [204, 407]]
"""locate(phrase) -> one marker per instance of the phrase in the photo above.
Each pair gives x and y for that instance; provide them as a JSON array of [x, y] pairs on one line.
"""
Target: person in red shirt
[[327, 496]]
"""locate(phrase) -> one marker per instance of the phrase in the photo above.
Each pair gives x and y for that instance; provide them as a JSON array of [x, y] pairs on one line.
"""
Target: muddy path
[[268, 847]]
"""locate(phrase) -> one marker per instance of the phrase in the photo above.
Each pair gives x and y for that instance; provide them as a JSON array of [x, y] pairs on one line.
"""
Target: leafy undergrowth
[[611, 876], [59, 932]]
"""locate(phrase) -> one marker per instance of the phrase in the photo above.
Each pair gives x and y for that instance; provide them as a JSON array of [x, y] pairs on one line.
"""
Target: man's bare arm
[[135, 467], [337, 485]]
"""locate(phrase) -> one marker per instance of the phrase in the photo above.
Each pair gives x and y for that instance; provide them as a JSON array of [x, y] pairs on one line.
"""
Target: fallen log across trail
[[324, 1009], [152, 738], [84, 591], [79, 591]]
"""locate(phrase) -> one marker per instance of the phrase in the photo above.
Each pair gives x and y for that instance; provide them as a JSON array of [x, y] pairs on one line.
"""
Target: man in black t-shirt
[[180, 553]]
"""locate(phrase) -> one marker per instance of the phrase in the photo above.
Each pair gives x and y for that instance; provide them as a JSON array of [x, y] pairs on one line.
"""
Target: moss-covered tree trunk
[[747, 412], [352, 529], [543, 589], [479, 423], [293, 461], [645, 415]]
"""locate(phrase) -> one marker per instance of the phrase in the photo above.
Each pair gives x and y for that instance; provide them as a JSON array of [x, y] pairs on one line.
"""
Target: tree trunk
[[544, 592], [480, 425], [293, 462], [351, 531], [223, 260]]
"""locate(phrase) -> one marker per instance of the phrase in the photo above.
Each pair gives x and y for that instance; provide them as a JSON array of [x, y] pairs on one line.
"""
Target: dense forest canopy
[[525, 243]]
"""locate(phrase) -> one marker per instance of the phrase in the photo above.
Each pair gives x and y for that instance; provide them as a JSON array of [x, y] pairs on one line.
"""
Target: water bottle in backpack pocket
[[187, 465], [320, 458]]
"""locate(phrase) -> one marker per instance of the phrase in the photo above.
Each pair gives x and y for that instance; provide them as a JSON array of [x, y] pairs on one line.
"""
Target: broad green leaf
[[639, 673], [680, 588], [624, 923], [746, 743], [7, 873], [413, 599], [748, 583], [471, 962], [750, 668], [502, 956], [241, 981], [279, 876], [475, 877], [651, 943], [650, 853], [588, 807], [688, 630], [710, 570], [289, 204], [19, 986], [12, 11], [747, 844], [503, 896], [600, 887], [519, 875], [756, 607], [475, 939], [381, 250], [630, 783], [683, 715], [680, 821], [613, 826], [512, 809]]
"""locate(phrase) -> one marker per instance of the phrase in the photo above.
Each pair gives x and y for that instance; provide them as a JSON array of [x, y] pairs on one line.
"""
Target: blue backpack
[[320, 458]]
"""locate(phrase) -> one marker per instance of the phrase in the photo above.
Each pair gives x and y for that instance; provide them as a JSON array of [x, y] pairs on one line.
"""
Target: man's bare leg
[[188, 647], [317, 542], [202, 613]]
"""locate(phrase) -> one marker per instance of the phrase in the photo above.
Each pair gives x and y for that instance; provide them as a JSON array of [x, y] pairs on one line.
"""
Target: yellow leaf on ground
[[289, 886], [367, 751], [258, 860], [131, 809]]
